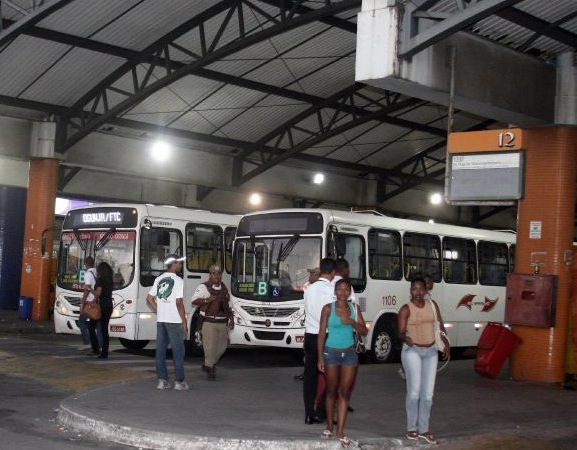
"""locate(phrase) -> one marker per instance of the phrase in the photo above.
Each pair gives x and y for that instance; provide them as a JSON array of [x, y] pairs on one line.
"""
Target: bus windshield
[[114, 247], [273, 269]]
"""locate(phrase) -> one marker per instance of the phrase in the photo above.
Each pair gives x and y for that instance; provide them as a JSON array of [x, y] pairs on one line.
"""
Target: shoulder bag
[[92, 310], [439, 342], [359, 344]]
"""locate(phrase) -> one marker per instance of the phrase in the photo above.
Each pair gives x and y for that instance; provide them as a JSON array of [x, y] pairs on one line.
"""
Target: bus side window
[[384, 250], [459, 260], [421, 255], [203, 246], [493, 264]]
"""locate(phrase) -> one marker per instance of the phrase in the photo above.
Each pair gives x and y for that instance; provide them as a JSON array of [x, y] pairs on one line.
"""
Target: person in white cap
[[165, 299], [212, 298]]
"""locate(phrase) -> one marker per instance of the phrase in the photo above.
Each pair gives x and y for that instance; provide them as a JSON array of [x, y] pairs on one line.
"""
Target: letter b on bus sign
[[262, 288]]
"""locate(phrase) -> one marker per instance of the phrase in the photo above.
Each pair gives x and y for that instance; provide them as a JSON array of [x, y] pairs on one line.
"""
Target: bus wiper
[[104, 240], [288, 248], [79, 239]]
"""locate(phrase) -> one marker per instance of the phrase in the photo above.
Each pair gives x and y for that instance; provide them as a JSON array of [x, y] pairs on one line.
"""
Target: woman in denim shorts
[[337, 357]]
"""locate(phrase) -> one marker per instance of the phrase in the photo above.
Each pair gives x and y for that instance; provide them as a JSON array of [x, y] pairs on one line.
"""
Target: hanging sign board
[[485, 167]]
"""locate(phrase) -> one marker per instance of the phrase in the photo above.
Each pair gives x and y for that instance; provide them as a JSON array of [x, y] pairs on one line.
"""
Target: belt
[[214, 319], [424, 346]]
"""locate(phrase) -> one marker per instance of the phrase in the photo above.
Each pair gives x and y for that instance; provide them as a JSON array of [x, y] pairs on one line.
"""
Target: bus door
[[204, 247], [155, 245], [352, 248]]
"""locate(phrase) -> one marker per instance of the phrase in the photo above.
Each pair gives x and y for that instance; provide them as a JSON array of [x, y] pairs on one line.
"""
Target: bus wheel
[[133, 345], [384, 343], [193, 344]]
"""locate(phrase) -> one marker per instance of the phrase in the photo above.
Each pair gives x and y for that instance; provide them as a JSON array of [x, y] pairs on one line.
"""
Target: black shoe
[[310, 420], [211, 374], [350, 409], [205, 368], [102, 356]]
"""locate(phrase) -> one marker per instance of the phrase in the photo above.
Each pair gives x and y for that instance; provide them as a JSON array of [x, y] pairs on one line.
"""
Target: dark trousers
[[310, 381], [104, 320]]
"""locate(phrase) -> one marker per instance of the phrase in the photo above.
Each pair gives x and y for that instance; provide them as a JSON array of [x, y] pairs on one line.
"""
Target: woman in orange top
[[419, 357]]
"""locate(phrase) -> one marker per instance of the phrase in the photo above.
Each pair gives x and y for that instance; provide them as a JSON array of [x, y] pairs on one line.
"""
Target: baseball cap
[[215, 268], [171, 259]]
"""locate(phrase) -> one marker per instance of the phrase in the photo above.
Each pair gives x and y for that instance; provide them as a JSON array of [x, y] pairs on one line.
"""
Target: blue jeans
[[169, 333], [420, 364], [83, 325]]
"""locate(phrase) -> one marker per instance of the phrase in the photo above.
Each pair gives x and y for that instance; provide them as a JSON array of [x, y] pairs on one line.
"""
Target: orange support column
[[38, 236], [549, 205]]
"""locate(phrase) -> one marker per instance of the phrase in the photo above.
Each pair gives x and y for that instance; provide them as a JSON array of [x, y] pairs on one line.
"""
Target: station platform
[[261, 408]]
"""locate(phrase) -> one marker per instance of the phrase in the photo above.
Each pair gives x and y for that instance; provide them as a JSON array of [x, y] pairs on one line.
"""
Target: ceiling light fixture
[[160, 150], [318, 178]]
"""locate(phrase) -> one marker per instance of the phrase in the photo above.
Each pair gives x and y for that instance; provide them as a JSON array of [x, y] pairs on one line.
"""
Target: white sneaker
[[181, 386], [163, 384]]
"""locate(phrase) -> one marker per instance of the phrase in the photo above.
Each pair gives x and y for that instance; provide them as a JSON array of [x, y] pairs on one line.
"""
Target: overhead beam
[[318, 127], [456, 22], [336, 22], [539, 26], [31, 20]]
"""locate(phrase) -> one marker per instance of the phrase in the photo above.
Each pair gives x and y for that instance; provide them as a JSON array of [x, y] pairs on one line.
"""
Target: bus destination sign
[[101, 217]]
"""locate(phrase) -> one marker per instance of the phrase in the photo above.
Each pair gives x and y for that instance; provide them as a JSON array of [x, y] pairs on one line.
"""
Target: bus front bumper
[[268, 337]]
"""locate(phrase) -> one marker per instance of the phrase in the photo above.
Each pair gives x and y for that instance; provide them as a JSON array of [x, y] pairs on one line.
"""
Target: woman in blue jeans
[[419, 357]]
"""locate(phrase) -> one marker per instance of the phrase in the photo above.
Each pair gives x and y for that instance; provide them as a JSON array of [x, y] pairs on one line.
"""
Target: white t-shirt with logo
[[167, 288]]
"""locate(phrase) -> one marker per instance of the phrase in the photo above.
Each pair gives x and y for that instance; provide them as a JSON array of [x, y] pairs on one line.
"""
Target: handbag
[[92, 310], [439, 342], [359, 344]]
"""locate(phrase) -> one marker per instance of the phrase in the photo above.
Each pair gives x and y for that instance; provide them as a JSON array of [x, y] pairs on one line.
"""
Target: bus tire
[[133, 345], [385, 342], [193, 345]]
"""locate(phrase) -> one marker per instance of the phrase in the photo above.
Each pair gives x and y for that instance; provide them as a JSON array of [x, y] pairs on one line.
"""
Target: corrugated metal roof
[[85, 17], [141, 26], [32, 57], [67, 80]]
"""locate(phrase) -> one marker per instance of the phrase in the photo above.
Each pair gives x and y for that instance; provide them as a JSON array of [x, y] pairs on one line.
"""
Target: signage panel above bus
[[281, 223], [101, 217]]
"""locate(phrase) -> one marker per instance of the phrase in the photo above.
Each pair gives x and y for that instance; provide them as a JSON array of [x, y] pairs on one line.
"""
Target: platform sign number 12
[[506, 139]]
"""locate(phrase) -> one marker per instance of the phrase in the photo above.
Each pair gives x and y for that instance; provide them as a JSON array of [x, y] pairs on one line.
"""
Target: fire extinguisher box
[[494, 347]]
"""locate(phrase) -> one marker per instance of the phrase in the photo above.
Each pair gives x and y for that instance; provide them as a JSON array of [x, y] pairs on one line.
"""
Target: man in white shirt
[[165, 298], [87, 296], [342, 270], [316, 296]]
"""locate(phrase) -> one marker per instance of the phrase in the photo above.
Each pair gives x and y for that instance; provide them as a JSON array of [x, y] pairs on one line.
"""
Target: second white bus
[[273, 250]]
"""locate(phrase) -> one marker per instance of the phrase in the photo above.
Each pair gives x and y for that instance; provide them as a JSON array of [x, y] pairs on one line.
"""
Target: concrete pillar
[[549, 198], [39, 223]]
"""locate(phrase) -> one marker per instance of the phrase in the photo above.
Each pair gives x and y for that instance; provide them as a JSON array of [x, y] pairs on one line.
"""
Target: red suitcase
[[494, 347]]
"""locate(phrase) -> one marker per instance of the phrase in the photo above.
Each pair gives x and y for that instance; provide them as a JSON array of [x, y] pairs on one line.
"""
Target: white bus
[[273, 250], [134, 240]]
